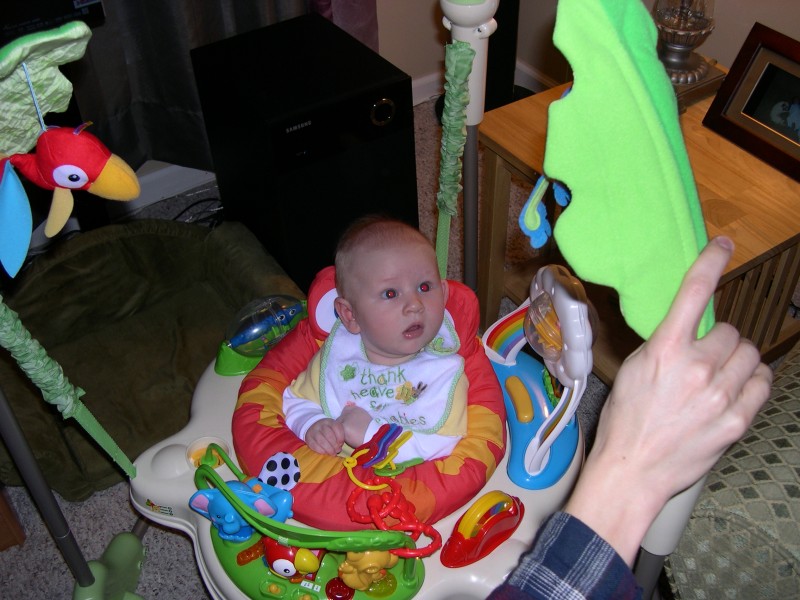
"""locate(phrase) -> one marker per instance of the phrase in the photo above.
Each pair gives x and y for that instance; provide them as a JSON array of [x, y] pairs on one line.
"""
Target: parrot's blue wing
[[15, 221]]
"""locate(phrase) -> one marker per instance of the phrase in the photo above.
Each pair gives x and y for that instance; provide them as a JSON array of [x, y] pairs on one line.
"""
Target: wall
[[412, 37], [535, 50]]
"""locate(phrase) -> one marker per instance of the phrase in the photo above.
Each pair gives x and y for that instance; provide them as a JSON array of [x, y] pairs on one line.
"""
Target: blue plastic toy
[[266, 499], [262, 323], [255, 329], [557, 323]]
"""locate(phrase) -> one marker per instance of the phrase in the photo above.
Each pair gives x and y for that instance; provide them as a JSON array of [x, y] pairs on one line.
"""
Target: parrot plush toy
[[67, 160], [63, 159]]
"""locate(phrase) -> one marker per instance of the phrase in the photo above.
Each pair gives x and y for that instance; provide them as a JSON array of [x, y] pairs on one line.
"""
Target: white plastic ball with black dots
[[281, 471]]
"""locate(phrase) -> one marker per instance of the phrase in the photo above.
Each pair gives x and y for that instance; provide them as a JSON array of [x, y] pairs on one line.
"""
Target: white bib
[[417, 394]]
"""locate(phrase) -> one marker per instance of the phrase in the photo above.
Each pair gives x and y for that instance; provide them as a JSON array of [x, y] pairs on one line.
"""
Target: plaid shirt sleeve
[[569, 561]]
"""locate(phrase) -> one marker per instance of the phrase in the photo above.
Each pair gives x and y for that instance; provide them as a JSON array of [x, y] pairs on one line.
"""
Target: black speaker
[[309, 129]]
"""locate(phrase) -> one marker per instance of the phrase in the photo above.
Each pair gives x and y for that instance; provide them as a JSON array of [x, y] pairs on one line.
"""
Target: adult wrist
[[614, 502]]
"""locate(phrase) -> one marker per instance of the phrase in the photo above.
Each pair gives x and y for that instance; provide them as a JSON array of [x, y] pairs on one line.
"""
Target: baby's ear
[[346, 315], [446, 290]]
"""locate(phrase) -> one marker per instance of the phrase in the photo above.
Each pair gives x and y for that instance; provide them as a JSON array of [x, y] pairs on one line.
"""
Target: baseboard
[[158, 181], [529, 77], [427, 87], [430, 86]]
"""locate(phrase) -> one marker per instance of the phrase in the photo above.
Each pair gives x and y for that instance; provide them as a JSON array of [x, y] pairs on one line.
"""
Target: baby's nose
[[414, 303]]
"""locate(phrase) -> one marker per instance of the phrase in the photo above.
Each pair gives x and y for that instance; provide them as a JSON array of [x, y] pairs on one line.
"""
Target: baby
[[391, 356]]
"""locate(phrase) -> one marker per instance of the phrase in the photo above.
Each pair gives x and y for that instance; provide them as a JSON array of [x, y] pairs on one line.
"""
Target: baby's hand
[[355, 421], [326, 436]]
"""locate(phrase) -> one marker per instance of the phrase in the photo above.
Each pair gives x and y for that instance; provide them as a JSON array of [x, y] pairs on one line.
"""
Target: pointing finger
[[697, 288]]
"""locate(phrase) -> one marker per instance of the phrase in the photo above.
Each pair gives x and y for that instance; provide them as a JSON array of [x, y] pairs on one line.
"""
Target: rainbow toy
[[559, 330], [506, 337]]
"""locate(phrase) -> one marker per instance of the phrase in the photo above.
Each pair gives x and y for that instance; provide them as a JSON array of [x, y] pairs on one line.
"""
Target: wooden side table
[[742, 197]]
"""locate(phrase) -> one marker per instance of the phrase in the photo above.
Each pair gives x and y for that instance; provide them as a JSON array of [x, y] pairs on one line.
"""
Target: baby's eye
[[390, 294], [425, 287]]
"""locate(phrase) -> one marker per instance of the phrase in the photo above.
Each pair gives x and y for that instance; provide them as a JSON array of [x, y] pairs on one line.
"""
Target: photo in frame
[[757, 106]]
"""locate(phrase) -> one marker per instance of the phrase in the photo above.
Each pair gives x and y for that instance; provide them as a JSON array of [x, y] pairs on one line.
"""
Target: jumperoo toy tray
[[165, 483]]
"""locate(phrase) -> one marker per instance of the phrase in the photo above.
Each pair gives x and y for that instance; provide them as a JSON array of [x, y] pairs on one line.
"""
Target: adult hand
[[678, 402], [326, 436]]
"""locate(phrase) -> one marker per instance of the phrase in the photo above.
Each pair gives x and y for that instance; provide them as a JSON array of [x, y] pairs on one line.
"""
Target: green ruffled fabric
[[458, 65], [37, 365]]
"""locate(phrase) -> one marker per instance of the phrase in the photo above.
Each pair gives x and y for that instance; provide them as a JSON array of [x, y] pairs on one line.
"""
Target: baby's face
[[397, 299]]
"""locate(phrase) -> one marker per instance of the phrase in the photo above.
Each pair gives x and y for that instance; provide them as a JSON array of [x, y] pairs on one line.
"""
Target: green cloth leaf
[[635, 221], [41, 53]]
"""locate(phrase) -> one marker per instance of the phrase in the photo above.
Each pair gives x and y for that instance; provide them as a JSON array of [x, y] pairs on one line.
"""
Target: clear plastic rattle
[[558, 326]]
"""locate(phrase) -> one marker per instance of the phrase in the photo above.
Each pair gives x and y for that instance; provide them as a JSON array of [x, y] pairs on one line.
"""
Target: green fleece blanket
[[134, 313], [635, 222]]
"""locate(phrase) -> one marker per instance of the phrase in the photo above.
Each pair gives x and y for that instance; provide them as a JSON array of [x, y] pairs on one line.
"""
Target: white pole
[[472, 21]]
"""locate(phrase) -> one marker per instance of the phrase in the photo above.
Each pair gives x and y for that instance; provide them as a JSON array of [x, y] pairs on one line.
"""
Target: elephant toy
[[266, 499]]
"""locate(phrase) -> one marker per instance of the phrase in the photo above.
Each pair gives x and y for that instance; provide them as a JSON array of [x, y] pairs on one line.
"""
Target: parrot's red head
[[76, 160], [290, 562]]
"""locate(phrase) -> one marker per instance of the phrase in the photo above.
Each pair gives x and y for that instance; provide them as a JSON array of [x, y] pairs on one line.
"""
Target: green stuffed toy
[[634, 222]]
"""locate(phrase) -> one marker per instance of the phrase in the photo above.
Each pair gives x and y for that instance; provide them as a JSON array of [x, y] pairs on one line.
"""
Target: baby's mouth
[[413, 331]]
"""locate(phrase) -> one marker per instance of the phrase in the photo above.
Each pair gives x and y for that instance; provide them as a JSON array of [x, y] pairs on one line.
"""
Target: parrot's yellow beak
[[116, 181], [306, 561]]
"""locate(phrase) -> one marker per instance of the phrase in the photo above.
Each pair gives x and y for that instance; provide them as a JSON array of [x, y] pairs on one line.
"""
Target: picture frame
[[757, 107]]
